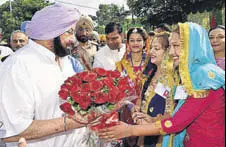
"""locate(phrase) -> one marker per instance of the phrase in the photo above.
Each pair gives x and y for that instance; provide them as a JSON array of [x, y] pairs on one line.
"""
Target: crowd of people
[[178, 75]]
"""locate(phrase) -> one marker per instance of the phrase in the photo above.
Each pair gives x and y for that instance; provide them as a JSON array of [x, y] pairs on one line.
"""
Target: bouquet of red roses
[[96, 93]]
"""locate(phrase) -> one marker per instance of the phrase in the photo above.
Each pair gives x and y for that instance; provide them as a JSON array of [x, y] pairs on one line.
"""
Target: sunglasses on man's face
[[19, 40]]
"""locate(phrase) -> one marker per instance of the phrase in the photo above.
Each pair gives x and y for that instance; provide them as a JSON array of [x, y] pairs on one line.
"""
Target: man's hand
[[22, 143]]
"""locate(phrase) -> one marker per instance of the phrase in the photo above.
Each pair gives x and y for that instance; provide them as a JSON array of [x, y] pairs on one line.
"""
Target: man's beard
[[82, 38], [59, 49]]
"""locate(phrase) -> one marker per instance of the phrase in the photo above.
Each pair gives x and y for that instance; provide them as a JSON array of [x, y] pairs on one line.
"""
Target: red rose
[[66, 87], [63, 93], [113, 95], [124, 87], [101, 98], [85, 87], [124, 81], [114, 74], [75, 88], [85, 101], [77, 80], [100, 71], [76, 97], [81, 75], [66, 107], [96, 85], [90, 77], [109, 82]]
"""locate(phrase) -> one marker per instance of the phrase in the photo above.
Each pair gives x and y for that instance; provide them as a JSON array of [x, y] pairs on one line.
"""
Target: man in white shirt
[[18, 39], [30, 80], [113, 52]]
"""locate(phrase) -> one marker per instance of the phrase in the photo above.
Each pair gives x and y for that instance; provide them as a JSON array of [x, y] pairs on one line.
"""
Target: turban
[[51, 22], [85, 21], [23, 26]]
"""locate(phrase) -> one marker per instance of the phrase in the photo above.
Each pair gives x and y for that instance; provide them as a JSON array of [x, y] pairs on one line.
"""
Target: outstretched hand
[[84, 120], [121, 130]]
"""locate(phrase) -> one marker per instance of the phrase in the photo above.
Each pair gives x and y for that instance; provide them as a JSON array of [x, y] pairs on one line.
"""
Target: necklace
[[139, 67]]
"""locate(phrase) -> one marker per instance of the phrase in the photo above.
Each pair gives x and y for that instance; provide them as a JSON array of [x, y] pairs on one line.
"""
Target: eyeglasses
[[19, 40]]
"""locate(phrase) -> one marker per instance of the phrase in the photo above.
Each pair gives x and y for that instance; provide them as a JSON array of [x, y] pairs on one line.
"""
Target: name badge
[[162, 90], [180, 93]]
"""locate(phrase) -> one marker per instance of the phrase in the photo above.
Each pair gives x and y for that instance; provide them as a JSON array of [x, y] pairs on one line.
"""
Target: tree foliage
[[22, 10], [110, 13], [170, 11]]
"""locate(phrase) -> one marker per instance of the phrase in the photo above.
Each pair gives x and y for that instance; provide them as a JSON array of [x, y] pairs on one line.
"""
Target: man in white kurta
[[30, 81], [107, 58], [113, 52]]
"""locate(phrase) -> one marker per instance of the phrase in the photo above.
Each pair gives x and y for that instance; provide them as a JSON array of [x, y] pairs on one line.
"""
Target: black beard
[[59, 49], [82, 39]]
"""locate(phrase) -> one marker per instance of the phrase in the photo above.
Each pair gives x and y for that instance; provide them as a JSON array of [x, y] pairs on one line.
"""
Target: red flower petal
[[66, 107], [101, 98], [90, 77], [124, 87], [95, 85], [114, 74], [66, 87], [81, 75], [85, 87], [77, 80], [85, 101], [108, 82], [63, 94], [76, 97], [100, 71], [124, 81], [75, 88], [113, 95]]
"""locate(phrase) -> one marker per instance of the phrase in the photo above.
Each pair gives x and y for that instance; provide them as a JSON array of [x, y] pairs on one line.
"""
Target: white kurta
[[30, 81], [107, 58]]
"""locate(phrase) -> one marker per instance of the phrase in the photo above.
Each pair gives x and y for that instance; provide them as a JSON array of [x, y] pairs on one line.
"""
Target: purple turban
[[52, 21]]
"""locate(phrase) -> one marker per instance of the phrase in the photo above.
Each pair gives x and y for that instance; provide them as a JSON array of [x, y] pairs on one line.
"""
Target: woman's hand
[[122, 130], [141, 118]]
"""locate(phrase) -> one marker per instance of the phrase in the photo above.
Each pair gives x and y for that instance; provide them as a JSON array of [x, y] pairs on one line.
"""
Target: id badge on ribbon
[[162, 90], [180, 94]]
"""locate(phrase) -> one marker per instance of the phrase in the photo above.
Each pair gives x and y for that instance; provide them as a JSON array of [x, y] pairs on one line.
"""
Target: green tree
[[22, 10], [170, 11], [110, 13]]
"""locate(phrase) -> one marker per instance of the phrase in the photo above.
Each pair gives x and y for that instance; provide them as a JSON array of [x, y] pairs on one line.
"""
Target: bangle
[[65, 123]]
